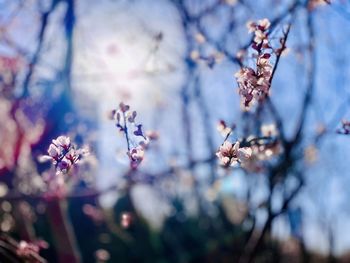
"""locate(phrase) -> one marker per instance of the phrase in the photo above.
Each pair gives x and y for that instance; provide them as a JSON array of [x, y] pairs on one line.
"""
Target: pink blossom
[[54, 151], [261, 152], [223, 128], [260, 37], [264, 24], [251, 26], [259, 29], [63, 154], [137, 141], [62, 141], [230, 154], [136, 156], [255, 84]]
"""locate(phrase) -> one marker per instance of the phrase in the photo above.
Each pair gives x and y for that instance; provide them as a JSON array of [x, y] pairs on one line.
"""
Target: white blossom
[[230, 154]]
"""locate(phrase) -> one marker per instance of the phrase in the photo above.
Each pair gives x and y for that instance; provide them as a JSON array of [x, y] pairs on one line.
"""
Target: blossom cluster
[[259, 29], [260, 152], [249, 152], [230, 154], [254, 84], [137, 141], [63, 154], [263, 148]]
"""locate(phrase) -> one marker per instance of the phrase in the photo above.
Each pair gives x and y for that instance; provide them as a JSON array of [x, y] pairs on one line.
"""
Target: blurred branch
[[207, 127], [190, 70], [311, 80], [62, 232], [271, 106], [69, 21], [35, 58], [115, 187], [5, 27]]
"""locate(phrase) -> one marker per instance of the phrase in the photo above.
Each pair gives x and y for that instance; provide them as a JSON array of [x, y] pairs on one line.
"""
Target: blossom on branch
[[136, 139], [224, 129], [254, 82], [254, 85], [63, 154], [259, 29], [136, 156], [230, 154]]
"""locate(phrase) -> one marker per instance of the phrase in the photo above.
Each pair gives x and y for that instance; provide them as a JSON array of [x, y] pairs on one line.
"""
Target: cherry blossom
[[259, 29], [63, 154], [223, 128], [261, 151], [136, 156], [136, 139], [254, 81], [253, 84], [230, 154], [269, 130]]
